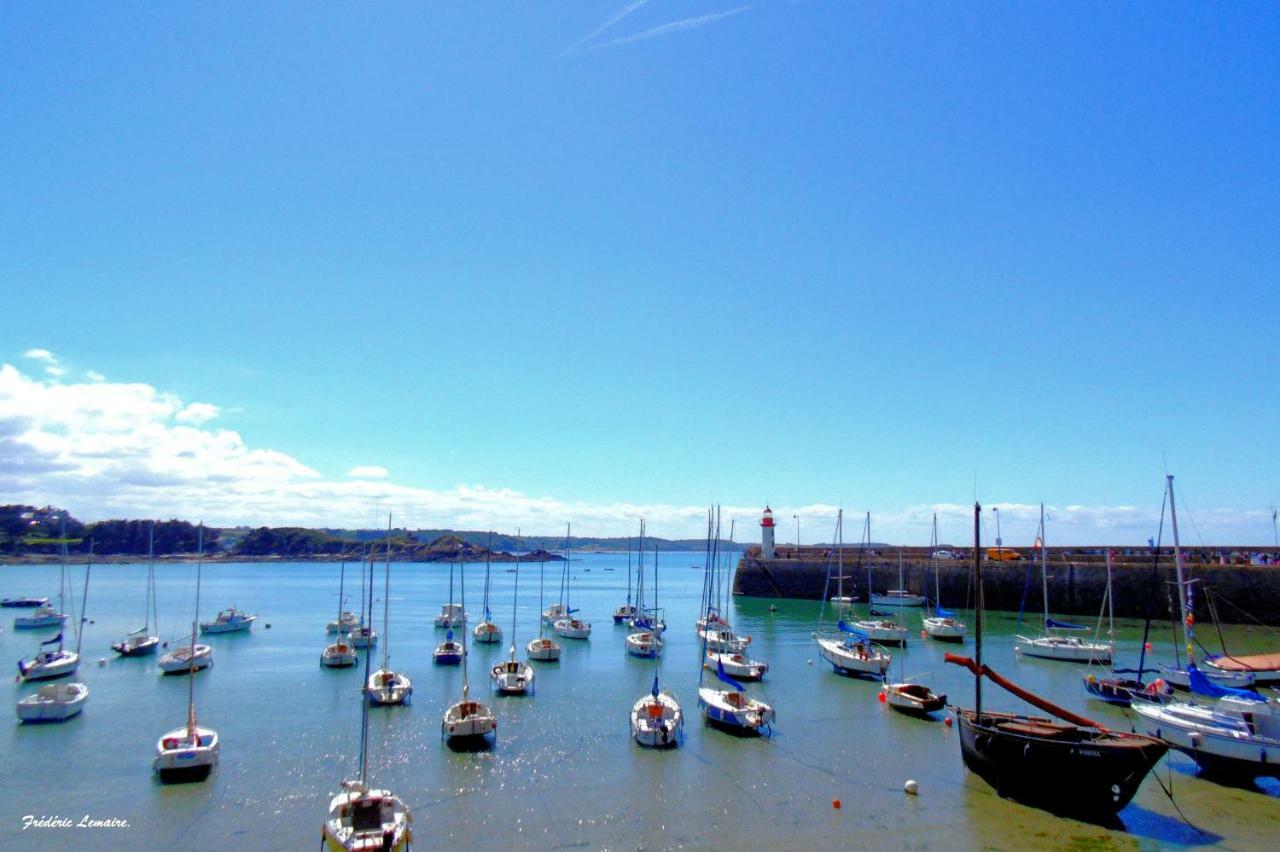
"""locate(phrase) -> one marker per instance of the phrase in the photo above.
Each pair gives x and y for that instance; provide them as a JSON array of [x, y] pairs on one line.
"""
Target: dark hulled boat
[[1069, 765]]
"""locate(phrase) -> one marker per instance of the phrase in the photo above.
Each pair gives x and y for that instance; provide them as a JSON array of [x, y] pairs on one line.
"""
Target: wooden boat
[[912, 698], [656, 719], [141, 642], [189, 753], [1074, 767], [363, 818]]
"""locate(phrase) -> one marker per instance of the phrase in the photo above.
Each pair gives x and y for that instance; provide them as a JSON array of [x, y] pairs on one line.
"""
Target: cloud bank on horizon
[[105, 449]]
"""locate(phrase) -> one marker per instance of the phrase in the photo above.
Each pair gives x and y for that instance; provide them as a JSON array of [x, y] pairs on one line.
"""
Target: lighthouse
[[766, 533]]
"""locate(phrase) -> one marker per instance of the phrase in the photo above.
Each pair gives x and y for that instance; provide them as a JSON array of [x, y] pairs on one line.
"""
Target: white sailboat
[[362, 818], [906, 697], [45, 615], [386, 686], [877, 627], [142, 642], [542, 648], [1239, 734], [656, 719], [467, 720], [346, 619], [568, 626], [943, 625], [626, 612], [1057, 643], [850, 652], [59, 702], [340, 654], [60, 661], [362, 635], [513, 676], [645, 642], [449, 652], [191, 752], [487, 631]]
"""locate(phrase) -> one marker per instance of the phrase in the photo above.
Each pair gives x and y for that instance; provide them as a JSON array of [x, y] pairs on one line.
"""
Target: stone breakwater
[[1243, 594]]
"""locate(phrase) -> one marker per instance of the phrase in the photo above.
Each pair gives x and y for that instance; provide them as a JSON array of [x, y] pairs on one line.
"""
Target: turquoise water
[[564, 771]]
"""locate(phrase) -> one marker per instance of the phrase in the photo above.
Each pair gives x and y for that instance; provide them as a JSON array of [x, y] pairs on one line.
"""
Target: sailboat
[[714, 630], [487, 631], [905, 697], [57, 702], [346, 620], [542, 648], [1116, 689], [141, 642], [656, 718], [567, 626], [1239, 734], [59, 661], [647, 619], [732, 708], [191, 752], [449, 652], [362, 634], [877, 627], [645, 642], [451, 614], [626, 612], [342, 653], [386, 686], [1074, 766], [467, 720], [361, 818], [1055, 644], [850, 652], [45, 615], [943, 624], [513, 676], [193, 657]]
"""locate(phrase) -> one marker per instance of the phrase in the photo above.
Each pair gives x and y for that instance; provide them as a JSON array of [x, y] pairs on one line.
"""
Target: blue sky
[[812, 254]]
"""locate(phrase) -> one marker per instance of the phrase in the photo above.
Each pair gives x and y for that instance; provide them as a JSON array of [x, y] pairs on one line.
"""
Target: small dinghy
[[656, 719], [186, 659], [44, 616], [448, 652], [736, 665], [912, 698], [363, 819], [228, 621], [53, 702], [644, 644], [339, 655]]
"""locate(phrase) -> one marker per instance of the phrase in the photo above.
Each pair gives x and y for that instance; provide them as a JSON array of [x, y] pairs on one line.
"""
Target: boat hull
[[390, 828], [50, 665], [386, 688], [1067, 649], [657, 722], [53, 703], [179, 662], [178, 760], [646, 646], [1178, 678], [487, 633], [882, 633], [448, 654], [543, 650], [339, 656], [849, 661], [896, 600], [25, 603], [912, 699], [1218, 749], [944, 629], [751, 717], [142, 648], [468, 721], [1090, 777], [736, 665], [573, 629]]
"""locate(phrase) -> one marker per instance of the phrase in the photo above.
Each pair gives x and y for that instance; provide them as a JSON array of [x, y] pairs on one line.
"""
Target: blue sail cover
[[1063, 625], [881, 613], [57, 640], [654, 691], [1201, 685], [852, 631], [943, 613], [448, 636], [726, 679]]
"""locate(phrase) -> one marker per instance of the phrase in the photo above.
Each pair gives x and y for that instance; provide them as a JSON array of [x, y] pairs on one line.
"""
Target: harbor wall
[[1243, 594]]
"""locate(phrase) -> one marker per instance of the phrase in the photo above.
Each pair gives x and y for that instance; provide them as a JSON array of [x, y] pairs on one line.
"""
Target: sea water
[[564, 771]]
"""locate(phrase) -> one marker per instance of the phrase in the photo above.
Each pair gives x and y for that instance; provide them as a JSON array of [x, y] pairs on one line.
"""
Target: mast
[[937, 569], [462, 581], [386, 598], [1111, 604], [191, 660], [655, 588], [342, 578], [1177, 562], [84, 598], [1044, 568], [728, 554], [488, 561], [839, 557], [977, 614], [368, 663], [866, 545], [640, 573], [628, 571], [151, 582], [902, 658], [542, 571], [564, 581], [515, 596]]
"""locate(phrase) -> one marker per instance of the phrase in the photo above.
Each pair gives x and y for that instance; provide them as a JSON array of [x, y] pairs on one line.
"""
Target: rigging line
[[1168, 791], [1244, 612]]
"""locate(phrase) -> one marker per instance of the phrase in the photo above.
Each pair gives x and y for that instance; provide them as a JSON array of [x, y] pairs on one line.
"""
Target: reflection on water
[[564, 770]]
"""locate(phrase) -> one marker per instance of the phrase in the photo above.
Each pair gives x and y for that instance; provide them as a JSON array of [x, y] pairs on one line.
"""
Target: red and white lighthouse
[[766, 533]]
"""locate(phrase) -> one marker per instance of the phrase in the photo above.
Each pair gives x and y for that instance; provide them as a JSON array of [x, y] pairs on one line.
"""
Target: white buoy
[[911, 787], [810, 662], [102, 661]]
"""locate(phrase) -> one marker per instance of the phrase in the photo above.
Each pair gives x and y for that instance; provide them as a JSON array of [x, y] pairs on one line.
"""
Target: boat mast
[[1111, 608], [977, 615], [191, 659], [564, 591], [628, 572], [515, 596], [342, 578], [1177, 562], [866, 545], [839, 558], [542, 571], [937, 569], [655, 588], [84, 599], [1044, 568], [728, 554], [151, 582], [902, 658], [640, 573], [386, 599], [488, 561], [368, 662], [462, 581]]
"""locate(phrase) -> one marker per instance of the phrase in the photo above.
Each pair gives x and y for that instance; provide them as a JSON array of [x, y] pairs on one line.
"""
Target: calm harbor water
[[564, 771]]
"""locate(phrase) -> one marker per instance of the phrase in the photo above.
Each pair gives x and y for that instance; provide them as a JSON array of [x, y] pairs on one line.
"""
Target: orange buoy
[[948, 722], [835, 803], [1148, 646], [924, 634], [882, 698]]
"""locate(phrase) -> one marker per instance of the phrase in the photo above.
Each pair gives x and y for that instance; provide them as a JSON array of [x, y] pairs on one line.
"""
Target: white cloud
[[94, 376], [40, 355], [115, 449], [368, 471], [197, 412]]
